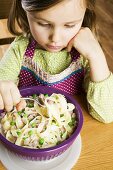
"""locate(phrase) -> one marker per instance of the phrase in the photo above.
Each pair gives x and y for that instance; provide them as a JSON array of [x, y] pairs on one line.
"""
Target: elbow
[[103, 117]]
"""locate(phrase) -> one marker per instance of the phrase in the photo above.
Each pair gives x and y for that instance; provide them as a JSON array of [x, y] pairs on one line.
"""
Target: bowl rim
[[62, 144]]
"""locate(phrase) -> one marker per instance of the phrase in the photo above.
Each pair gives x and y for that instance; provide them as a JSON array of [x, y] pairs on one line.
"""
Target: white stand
[[64, 162]]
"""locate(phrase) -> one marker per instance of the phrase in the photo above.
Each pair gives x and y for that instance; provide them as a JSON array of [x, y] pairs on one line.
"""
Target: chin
[[53, 51]]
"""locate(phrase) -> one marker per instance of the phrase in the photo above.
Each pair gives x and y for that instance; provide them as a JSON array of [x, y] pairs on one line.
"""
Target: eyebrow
[[70, 22]]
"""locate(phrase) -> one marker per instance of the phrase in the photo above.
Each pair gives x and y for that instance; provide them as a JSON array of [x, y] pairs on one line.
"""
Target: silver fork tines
[[36, 100]]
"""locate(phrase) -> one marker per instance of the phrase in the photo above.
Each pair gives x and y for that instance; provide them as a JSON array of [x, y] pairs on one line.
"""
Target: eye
[[44, 24], [70, 26]]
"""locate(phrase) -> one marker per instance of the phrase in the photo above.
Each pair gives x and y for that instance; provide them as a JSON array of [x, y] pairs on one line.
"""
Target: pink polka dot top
[[69, 80]]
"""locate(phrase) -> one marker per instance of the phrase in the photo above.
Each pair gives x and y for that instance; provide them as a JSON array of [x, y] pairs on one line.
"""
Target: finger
[[7, 98], [21, 105], [70, 45], [1, 103], [15, 95]]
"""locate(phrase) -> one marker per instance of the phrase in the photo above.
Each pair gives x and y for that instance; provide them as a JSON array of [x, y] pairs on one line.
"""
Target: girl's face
[[55, 27]]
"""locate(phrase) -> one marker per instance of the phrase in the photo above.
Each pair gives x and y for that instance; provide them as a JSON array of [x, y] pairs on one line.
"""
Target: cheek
[[34, 29], [78, 28], [38, 34], [73, 32]]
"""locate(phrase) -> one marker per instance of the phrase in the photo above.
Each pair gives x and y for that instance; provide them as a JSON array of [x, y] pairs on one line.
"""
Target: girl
[[57, 47]]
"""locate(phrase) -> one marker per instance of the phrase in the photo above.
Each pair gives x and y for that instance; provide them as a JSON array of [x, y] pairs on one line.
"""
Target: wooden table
[[97, 138], [97, 143]]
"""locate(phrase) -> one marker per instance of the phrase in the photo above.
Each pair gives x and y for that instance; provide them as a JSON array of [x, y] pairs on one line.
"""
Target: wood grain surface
[[97, 138]]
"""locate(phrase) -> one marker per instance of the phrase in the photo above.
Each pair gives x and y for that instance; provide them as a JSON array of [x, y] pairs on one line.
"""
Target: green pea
[[12, 123], [41, 141], [34, 96], [24, 138], [30, 132], [73, 119], [25, 115], [23, 110], [30, 105], [71, 124], [61, 115], [33, 125], [18, 133], [19, 112], [58, 142], [46, 95], [56, 97], [61, 134]]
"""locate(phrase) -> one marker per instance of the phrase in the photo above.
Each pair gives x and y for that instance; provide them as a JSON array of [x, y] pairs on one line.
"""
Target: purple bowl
[[47, 153]]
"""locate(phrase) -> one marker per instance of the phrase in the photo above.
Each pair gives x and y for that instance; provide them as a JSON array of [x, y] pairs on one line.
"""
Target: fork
[[36, 100]]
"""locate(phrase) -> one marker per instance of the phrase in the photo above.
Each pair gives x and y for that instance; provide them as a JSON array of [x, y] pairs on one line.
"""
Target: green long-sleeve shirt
[[99, 94]]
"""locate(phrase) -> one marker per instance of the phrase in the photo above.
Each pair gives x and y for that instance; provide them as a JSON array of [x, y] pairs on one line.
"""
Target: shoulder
[[19, 45], [16, 49], [20, 41]]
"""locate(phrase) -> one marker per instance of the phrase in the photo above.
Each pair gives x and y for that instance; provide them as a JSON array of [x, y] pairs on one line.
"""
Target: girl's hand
[[9, 95], [85, 43], [21, 105]]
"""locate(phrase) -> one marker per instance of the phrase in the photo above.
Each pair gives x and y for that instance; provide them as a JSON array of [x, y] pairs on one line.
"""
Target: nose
[[55, 36]]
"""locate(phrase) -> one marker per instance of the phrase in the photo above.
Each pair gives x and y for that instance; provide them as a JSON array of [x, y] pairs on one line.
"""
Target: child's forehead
[[69, 5], [65, 10]]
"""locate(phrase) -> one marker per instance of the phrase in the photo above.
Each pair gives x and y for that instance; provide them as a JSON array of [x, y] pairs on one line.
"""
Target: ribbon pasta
[[40, 127]]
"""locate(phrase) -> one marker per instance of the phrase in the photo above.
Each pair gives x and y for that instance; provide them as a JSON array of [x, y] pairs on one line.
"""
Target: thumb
[[15, 94]]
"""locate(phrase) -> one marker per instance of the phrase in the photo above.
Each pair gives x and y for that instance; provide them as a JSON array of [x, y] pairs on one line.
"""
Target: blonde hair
[[18, 16]]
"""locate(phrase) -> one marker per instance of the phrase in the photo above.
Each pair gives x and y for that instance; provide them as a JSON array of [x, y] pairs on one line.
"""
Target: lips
[[54, 47]]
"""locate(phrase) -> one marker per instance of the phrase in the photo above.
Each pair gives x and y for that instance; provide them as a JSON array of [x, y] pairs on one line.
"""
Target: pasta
[[40, 127]]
